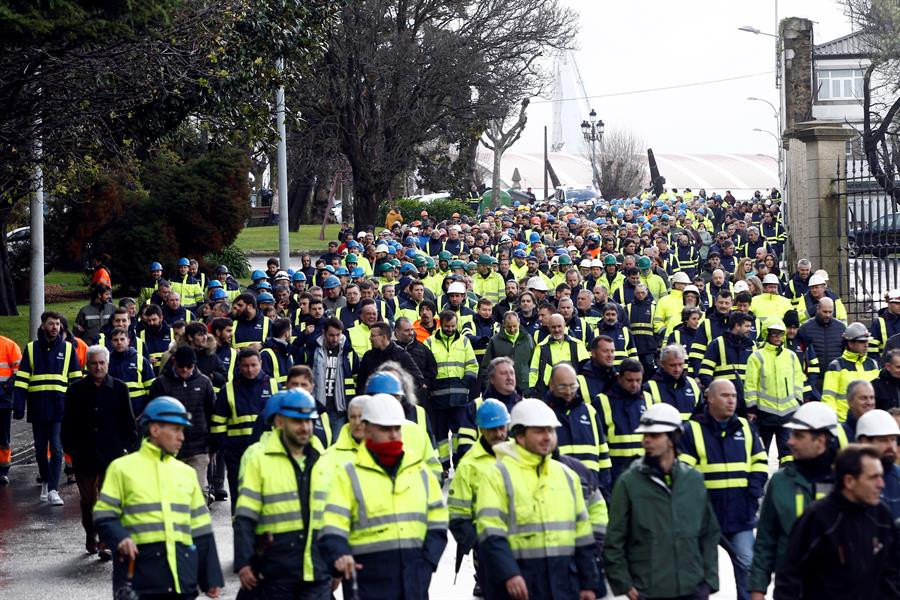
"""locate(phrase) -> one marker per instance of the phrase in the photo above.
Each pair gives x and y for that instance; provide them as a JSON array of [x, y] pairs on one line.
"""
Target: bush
[[232, 257], [439, 210]]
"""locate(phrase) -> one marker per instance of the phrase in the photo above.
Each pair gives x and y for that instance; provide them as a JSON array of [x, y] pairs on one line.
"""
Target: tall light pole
[[284, 249], [593, 132], [36, 208], [778, 140]]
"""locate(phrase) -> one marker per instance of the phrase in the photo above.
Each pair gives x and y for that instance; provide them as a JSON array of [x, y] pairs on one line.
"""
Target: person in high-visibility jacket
[[712, 326], [488, 283], [152, 511], [661, 503], [276, 504], [49, 364], [492, 419], [640, 313], [727, 356], [556, 348], [853, 364], [726, 449], [615, 329], [275, 353], [251, 327], [770, 304], [668, 309], [655, 284], [359, 337], [534, 534], [10, 357], [817, 290], [774, 386], [155, 335], [792, 488], [579, 434], [189, 288], [126, 364], [672, 384], [611, 278], [384, 521], [236, 411], [619, 409], [457, 372], [885, 325]]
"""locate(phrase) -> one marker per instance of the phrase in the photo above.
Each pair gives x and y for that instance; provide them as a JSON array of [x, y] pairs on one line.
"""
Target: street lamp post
[[593, 132]]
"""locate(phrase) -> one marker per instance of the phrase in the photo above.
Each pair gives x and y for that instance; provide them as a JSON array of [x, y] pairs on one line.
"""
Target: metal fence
[[871, 228]]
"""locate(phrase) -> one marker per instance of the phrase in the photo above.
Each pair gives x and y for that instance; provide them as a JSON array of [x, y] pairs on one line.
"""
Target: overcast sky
[[639, 44]]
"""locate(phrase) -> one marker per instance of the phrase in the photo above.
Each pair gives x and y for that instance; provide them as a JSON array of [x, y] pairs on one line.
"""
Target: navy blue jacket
[[40, 357]]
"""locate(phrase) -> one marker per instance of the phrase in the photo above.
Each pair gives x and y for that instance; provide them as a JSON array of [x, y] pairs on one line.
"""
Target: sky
[[628, 45]]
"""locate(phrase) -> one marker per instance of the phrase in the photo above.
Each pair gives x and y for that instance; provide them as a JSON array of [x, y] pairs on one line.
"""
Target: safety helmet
[[491, 414], [740, 286], [281, 275], [155, 266], [384, 410], [534, 237], [856, 332], [183, 262], [265, 297], [420, 261], [537, 283], [770, 279], [519, 254], [813, 416], [609, 260], [659, 418], [565, 260], [531, 412], [816, 280], [775, 325], [331, 283], [429, 262], [485, 259], [357, 272], [222, 269], [329, 268], [218, 294], [643, 263], [384, 383], [256, 275], [263, 285], [691, 289], [165, 409], [681, 277], [457, 287], [342, 272], [444, 255], [213, 283], [409, 241], [351, 258], [385, 267], [876, 423], [299, 276], [297, 404], [408, 268]]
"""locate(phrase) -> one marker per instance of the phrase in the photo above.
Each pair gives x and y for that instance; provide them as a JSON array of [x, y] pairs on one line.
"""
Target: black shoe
[[476, 591], [70, 479], [105, 555], [220, 495], [38, 479], [91, 546]]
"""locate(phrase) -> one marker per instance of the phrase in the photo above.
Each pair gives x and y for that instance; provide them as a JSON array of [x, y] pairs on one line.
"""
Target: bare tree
[[500, 141], [623, 167], [878, 23]]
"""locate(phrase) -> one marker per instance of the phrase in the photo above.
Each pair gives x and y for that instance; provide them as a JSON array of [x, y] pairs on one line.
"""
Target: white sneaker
[[55, 499], [43, 492]]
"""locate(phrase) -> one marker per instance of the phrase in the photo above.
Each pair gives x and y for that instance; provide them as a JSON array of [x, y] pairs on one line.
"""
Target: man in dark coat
[[98, 427], [383, 350]]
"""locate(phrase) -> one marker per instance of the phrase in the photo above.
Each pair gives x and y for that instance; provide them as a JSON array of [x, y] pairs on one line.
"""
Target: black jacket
[[842, 550], [374, 358], [423, 358], [887, 391], [825, 338], [197, 395], [98, 425]]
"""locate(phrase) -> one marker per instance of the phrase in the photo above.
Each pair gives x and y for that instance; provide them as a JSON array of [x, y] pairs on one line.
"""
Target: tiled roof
[[851, 44]]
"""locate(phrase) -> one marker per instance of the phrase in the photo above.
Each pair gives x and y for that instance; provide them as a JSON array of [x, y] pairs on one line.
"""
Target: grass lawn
[[265, 239], [17, 327]]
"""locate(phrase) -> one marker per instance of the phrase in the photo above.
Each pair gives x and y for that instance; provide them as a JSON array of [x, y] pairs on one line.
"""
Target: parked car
[[570, 194], [879, 238]]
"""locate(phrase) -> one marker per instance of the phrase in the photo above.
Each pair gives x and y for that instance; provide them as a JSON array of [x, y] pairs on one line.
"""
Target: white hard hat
[[813, 416], [690, 288], [596, 263], [681, 277], [775, 325], [282, 275], [361, 234], [455, 228], [585, 263], [822, 273], [381, 248], [893, 295], [659, 418], [537, 283], [816, 280], [856, 332], [770, 279], [875, 423], [384, 410], [457, 287], [740, 286], [531, 412]]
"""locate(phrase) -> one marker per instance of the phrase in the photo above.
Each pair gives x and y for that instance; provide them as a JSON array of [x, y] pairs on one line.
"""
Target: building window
[[840, 84]]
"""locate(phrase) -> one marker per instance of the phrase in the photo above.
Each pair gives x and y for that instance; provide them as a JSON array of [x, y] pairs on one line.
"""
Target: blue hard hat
[[166, 409], [491, 414], [408, 268], [342, 272], [560, 251], [641, 219], [295, 403], [534, 237], [213, 283], [520, 245], [257, 274], [265, 297], [299, 276], [647, 226], [600, 221], [681, 213], [573, 221], [384, 383], [654, 219], [551, 219], [410, 252], [183, 262], [516, 203], [352, 245], [331, 283], [519, 254], [263, 285], [329, 268], [357, 272], [219, 294], [409, 241], [155, 266]]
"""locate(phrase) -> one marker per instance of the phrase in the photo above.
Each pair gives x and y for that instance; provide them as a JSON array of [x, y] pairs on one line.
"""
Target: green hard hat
[[395, 262], [429, 262], [457, 264], [565, 260], [351, 258], [471, 266], [444, 255], [420, 261], [609, 259], [643, 263], [485, 259], [385, 267]]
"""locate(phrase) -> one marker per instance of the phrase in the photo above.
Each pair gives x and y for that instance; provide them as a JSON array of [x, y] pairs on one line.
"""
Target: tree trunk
[[7, 293], [296, 201], [365, 203], [495, 178]]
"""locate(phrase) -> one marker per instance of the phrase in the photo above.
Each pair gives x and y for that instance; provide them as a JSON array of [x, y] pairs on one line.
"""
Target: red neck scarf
[[387, 453]]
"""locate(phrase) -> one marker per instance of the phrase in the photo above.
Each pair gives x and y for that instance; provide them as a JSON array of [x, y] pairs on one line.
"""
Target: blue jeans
[[742, 544], [44, 434]]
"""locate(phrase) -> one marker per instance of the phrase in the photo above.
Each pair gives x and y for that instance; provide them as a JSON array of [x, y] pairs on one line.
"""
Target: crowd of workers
[[585, 395]]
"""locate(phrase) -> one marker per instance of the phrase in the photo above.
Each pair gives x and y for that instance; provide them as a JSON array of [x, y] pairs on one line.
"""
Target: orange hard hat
[[535, 220]]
